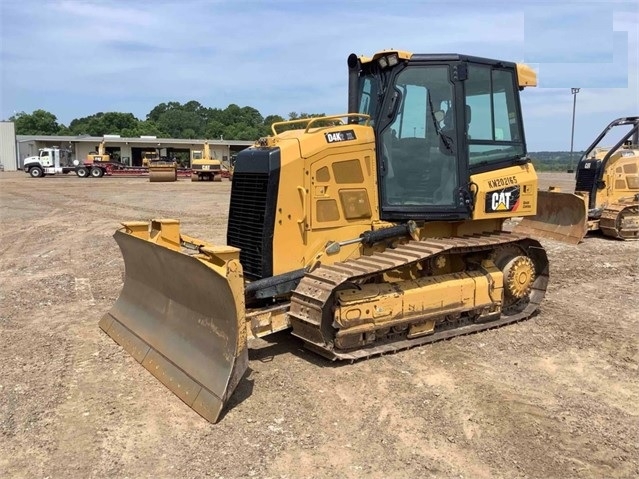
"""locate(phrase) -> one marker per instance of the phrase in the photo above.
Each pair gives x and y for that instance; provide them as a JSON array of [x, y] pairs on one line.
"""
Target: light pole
[[574, 92]]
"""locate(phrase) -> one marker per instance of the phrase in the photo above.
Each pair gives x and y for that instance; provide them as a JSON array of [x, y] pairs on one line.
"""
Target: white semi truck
[[53, 161]]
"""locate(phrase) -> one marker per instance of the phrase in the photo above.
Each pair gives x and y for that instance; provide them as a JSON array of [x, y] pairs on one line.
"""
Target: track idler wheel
[[519, 276], [525, 269]]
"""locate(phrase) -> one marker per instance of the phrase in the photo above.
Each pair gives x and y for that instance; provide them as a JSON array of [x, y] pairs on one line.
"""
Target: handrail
[[302, 190], [314, 119]]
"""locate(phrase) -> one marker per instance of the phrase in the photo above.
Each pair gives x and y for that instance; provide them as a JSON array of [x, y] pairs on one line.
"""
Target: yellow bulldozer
[[606, 196], [364, 233], [204, 166]]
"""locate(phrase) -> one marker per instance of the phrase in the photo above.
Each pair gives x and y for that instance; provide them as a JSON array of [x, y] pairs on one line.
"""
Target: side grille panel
[[587, 176], [246, 220], [586, 180], [252, 209]]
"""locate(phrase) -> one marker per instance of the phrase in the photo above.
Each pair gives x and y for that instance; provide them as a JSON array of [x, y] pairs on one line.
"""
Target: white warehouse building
[[8, 154], [127, 150]]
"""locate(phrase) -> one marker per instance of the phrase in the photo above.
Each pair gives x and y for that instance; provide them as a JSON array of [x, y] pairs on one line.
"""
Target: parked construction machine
[[204, 166], [99, 156], [149, 156], [606, 195], [364, 233], [97, 163], [162, 170]]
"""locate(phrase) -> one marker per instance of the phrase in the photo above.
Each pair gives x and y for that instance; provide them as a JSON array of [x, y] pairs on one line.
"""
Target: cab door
[[46, 158], [423, 166]]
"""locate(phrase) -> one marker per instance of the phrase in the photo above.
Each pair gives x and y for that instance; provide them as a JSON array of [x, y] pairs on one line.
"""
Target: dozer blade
[[560, 216], [181, 316]]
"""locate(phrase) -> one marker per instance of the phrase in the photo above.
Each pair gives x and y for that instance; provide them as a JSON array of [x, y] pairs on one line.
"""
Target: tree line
[[555, 160], [193, 120], [166, 120]]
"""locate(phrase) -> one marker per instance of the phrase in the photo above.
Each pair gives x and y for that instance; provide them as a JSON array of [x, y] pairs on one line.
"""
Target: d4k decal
[[337, 136]]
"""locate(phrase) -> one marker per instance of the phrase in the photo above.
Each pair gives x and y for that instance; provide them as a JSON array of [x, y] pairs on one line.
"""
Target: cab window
[[494, 131]]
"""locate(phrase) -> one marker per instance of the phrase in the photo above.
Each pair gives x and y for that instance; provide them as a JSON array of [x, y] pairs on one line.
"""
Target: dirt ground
[[556, 396]]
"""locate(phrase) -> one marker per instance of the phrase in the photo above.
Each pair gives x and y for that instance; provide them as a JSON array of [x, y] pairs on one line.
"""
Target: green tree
[[40, 122], [214, 129], [149, 127], [554, 160], [171, 119], [268, 121], [242, 131], [302, 116], [180, 121], [99, 124], [143, 128], [159, 110]]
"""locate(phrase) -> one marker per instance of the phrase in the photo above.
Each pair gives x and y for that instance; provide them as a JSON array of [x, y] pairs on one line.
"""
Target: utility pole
[[574, 92]]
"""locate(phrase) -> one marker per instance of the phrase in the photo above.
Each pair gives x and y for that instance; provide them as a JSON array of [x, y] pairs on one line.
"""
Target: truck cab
[[53, 161], [48, 162]]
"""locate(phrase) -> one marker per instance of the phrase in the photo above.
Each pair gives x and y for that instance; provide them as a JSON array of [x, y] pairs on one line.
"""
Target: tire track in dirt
[[554, 396]]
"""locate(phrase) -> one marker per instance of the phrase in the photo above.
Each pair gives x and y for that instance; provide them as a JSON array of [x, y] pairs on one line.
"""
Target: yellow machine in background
[[150, 156], [204, 166], [101, 156], [162, 171], [606, 195], [364, 233]]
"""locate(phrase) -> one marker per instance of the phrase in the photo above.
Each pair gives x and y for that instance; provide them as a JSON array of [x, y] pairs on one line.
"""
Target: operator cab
[[437, 119]]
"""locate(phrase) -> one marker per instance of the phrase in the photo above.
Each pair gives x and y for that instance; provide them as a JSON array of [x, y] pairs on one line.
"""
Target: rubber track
[[611, 219], [315, 290]]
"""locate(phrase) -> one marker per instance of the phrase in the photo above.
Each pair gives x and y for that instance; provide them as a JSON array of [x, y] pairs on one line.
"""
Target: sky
[[75, 58]]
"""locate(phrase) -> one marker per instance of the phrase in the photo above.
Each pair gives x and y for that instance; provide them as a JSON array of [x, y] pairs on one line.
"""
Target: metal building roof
[[129, 140]]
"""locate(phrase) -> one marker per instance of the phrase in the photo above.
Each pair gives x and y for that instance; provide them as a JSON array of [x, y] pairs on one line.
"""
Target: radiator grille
[[247, 221], [586, 178]]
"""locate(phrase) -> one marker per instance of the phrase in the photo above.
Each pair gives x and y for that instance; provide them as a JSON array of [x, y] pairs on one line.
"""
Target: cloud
[[76, 58]]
